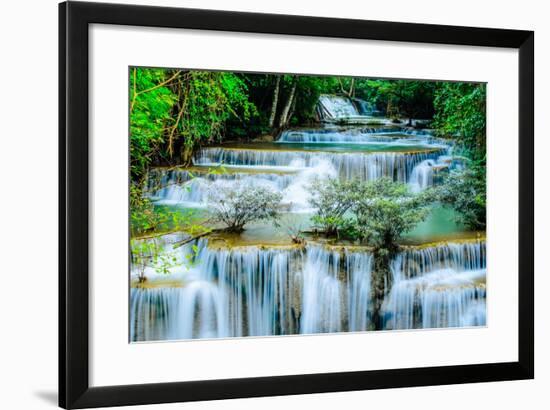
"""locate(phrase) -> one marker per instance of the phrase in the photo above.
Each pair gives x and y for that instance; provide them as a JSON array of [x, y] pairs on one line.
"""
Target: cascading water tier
[[441, 286], [348, 165], [289, 165], [263, 291]]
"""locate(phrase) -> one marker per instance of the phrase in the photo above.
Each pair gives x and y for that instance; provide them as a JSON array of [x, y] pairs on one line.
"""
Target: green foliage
[[150, 114], [146, 218], [399, 98], [460, 114], [153, 253], [386, 210], [148, 253], [308, 90], [173, 111], [142, 213], [261, 89], [209, 99], [332, 198], [465, 191], [236, 206], [377, 212]]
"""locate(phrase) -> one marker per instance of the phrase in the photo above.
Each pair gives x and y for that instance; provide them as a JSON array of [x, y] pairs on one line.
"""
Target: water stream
[[289, 164], [266, 286], [259, 291]]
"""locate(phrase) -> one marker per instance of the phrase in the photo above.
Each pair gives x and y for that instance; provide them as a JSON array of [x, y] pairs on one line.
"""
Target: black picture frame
[[74, 387]]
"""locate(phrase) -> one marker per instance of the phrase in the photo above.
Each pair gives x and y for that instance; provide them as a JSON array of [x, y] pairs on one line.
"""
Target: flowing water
[[336, 107], [176, 186], [365, 166], [359, 135], [260, 291], [333, 108], [260, 285], [423, 175], [441, 286], [289, 164]]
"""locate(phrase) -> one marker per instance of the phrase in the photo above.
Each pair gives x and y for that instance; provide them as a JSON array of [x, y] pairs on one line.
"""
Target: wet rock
[[264, 138]]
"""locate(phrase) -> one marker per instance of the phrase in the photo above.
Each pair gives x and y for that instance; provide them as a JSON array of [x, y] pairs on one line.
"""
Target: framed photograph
[[255, 205]]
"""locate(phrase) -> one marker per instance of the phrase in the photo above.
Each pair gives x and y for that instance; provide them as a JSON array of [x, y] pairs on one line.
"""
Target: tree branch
[[192, 238], [173, 130], [136, 93]]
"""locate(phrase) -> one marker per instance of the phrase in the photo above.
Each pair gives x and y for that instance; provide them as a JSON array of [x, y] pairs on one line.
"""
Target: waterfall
[[465, 256], [290, 171], [181, 187], [246, 291], [361, 135], [440, 286], [258, 291], [177, 187], [158, 178], [365, 166], [256, 288], [150, 312], [253, 291], [322, 292], [213, 291], [358, 271], [365, 107], [195, 192], [336, 290], [336, 107], [423, 174]]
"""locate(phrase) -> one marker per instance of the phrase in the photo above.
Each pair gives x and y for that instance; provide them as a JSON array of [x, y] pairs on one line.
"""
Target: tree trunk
[[141, 277], [274, 102], [341, 86], [174, 130], [284, 115], [181, 105], [352, 88], [292, 109], [186, 156]]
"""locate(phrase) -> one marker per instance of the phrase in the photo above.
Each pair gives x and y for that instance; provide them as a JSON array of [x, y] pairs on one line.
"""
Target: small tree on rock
[[332, 199], [151, 254], [236, 206], [384, 212]]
